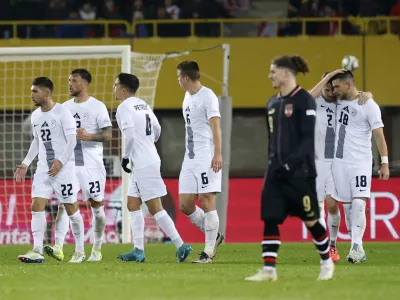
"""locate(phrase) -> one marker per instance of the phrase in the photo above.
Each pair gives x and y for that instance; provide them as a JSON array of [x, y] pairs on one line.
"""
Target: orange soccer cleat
[[334, 254]]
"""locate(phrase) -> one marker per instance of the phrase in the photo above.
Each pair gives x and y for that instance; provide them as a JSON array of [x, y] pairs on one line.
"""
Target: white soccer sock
[[334, 224], [38, 227], [198, 218], [211, 228], [322, 214], [137, 227], [99, 217], [78, 231], [359, 221], [347, 213], [168, 227], [62, 226]]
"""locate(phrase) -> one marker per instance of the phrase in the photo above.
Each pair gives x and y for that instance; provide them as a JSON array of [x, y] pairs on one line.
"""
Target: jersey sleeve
[[68, 122], [211, 105], [103, 117], [373, 114], [156, 125], [124, 118]]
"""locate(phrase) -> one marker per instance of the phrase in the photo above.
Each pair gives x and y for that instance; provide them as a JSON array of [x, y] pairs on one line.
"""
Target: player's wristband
[[384, 160]]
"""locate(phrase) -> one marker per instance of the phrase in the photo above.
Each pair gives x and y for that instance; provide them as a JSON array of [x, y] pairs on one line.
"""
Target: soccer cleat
[[219, 241], [327, 270], [264, 275], [356, 256], [334, 254], [133, 255], [203, 259], [95, 256], [77, 258], [183, 252], [54, 252], [31, 257]]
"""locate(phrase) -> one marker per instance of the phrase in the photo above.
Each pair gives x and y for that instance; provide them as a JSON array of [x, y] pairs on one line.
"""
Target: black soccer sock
[[270, 244], [320, 239]]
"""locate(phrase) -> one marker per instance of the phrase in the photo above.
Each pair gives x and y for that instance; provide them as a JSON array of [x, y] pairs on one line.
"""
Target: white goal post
[[20, 65]]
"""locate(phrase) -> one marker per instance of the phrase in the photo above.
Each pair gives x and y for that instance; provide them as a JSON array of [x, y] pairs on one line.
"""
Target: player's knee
[[332, 205], [187, 208], [154, 206], [96, 204], [133, 203], [71, 208], [207, 201], [310, 223], [38, 204]]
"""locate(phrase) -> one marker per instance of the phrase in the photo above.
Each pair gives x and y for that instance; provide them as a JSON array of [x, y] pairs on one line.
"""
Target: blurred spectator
[[87, 12], [395, 12], [111, 12], [172, 9], [72, 31], [137, 13]]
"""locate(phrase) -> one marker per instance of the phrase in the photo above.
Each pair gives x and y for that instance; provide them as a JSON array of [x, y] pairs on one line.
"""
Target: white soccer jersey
[[325, 129], [51, 129], [135, 113], [354, 130], [198, 109], [93, 116]]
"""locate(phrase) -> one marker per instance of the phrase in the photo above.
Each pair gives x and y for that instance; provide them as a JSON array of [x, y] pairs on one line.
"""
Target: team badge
[[53, 123], [354, 112], [86, 116], [288, 110]]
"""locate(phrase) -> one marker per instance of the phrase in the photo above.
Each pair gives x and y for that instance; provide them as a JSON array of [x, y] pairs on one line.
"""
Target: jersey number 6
[[148, 125]]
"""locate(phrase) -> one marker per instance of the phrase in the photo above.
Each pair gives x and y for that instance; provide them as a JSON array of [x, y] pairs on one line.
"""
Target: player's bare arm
[[383, 151], [103, 136], [316, 90], [215, 124]]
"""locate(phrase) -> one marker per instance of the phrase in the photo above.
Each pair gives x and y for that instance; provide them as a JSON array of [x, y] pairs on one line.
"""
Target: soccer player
[[54, 139], [141, 129], [352, 164], [325, 127], [289, 187], [93, 128], [201, 168]]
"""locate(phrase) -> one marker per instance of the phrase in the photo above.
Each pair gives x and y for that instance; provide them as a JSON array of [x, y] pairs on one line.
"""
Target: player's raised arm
[[316, 90], [69, 129], [30, 156]]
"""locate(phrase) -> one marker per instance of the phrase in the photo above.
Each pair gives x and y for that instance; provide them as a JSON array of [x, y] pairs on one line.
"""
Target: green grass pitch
[[160, 277]]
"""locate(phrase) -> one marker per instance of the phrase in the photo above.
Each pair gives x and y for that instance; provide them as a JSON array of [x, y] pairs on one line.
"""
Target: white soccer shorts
[[197, 177], [147, 184], [92, 182], [324, 181], [351, 180], [64, 184]]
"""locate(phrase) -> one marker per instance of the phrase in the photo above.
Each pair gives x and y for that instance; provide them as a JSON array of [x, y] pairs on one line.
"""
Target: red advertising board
[[243, 224]]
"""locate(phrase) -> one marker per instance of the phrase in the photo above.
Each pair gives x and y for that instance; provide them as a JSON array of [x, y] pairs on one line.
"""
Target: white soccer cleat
[[264, 275], [54, 252], [77, 258], [327, 270], [31, 257], [95, 256], [356, 256], [203, 259]]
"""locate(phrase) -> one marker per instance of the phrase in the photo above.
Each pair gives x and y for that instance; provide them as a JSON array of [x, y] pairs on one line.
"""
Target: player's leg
[[208, 185], [333, 225], [41, 192], [93, 190], [324, 172], [304, 204], [361, 192], [273, 212], [152, 188], [66, 188], [137, 223], [347, 214], [187, 198]]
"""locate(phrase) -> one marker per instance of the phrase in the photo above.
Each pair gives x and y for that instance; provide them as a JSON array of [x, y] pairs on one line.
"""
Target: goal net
[[19, 66]]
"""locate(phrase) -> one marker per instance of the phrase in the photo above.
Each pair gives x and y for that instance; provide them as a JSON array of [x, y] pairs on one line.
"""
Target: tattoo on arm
[[103, 136]]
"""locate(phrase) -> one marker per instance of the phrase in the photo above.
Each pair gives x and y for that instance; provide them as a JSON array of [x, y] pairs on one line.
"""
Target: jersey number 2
[[148, 125]]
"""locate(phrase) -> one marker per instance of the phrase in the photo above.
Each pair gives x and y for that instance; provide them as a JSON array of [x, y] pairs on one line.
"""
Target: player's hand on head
[[20, 173], [384, 172], [55, 168], [81, 134], [124, 165], [338, 71], [364, 97], [216, 163]]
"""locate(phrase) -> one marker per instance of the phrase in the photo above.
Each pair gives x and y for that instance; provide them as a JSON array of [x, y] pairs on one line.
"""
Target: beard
[[75, 93]]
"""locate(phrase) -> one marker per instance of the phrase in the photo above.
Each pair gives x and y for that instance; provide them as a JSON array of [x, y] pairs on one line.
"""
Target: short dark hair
[[85, 74], [129, 81], [190, 68], [295, 63], [43, 82], [346, 75]]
